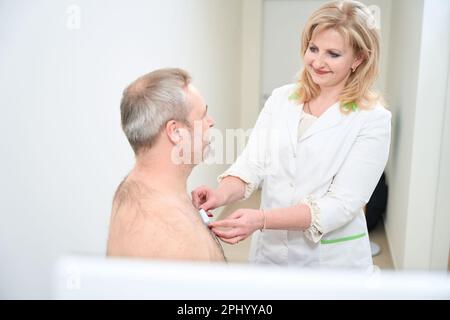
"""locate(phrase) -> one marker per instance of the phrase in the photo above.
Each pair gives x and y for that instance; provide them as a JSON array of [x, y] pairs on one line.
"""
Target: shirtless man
[[152, 214]]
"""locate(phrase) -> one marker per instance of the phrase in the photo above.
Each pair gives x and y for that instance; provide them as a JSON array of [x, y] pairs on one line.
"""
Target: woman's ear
[[358, 60], [173, 132]]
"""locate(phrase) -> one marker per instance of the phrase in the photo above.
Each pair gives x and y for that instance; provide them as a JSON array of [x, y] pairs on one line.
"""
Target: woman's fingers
[[195, 199], [235, 215], [199, 196], [226, 234], [209, 203], [234, 240], [204, 198], [226, 223]]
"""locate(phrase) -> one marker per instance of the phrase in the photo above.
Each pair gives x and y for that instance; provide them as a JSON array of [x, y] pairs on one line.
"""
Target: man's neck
[[159, 172]]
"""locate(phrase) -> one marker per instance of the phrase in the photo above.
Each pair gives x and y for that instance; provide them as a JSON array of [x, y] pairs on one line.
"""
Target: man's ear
[[173, 132]]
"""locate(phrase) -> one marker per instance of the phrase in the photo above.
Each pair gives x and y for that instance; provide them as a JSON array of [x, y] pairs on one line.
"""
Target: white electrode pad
[[204, 216]]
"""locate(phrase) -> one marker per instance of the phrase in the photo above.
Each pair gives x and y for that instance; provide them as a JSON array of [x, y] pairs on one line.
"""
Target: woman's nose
[[318, 63]]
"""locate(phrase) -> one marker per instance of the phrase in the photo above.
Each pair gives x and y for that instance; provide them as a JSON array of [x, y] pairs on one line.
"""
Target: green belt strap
[[356, 236]]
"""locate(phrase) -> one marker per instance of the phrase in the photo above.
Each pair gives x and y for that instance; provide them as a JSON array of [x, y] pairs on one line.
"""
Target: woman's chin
[[319, 82], [323, 82]]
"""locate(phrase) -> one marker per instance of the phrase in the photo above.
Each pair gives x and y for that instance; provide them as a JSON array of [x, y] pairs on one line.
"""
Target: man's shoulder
[[135, 193], [135, 198], [128, 190]]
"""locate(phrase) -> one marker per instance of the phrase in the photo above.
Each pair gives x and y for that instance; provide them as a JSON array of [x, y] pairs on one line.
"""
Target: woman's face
[[329, 59]]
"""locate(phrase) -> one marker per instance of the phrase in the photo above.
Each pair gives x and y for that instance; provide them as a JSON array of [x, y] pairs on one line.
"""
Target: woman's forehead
[[329, 38]]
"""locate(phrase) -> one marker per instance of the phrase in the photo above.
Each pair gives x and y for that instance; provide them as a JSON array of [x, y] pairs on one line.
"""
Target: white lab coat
[[337, 162]]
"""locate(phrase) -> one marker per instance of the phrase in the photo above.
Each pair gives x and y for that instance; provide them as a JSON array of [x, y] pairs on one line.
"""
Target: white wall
[[417, 86], [402, 84], [252, 19], [62, 149], [282, 28], [441, 233]]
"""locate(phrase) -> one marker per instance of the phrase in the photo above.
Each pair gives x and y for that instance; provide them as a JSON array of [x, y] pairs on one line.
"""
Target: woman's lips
[[320, 72]]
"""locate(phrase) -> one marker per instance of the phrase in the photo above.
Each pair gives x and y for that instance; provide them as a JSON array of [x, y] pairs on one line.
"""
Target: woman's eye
[[334, 55], [312, 49]]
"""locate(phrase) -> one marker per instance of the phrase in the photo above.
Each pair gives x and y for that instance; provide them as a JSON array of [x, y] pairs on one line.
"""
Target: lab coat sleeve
[[251, 164], [315, 230], [356, 180]]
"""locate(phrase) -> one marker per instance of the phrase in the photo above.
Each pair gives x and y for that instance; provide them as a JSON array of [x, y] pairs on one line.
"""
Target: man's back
[[148, 224]]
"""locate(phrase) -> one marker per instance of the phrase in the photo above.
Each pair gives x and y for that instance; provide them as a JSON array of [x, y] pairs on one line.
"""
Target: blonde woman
[[331, 145]]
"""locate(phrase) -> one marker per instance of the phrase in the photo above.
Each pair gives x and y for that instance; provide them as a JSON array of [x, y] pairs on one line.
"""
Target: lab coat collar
[[330, 118]]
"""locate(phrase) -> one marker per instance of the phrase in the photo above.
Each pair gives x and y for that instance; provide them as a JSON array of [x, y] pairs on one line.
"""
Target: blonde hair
[[355, 23]]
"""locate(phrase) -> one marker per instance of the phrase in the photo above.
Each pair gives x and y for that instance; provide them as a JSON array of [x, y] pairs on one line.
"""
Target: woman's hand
[[207, 198], [230, 189], [239, 225]]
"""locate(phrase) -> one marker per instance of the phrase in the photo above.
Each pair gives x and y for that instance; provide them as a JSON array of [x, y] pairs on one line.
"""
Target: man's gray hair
[[150, 102]]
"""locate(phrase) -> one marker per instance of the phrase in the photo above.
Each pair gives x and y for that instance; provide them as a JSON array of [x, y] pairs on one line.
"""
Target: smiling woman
[[341, 47], [332, 147], [335, 59]]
